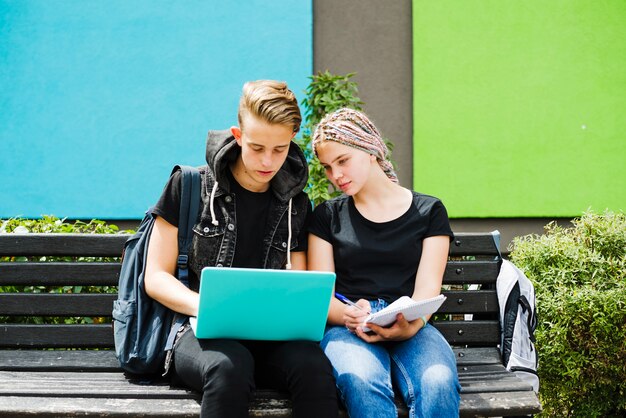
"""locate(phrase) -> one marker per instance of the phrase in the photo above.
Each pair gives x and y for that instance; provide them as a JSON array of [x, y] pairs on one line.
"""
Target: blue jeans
[[422, 369]]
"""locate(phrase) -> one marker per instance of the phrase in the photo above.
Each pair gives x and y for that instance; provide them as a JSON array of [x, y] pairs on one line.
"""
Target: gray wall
[[373, 39]]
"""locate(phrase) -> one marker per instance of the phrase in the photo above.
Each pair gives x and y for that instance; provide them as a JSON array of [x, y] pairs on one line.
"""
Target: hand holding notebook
[[408, 307]]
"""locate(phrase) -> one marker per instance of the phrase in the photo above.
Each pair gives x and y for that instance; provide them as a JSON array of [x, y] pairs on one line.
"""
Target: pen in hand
[[349, 302]]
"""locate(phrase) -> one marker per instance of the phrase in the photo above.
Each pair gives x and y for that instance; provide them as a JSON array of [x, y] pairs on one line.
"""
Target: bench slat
[[477, 333], [59, 274], [496, 404], [468, 356], [104, 360], [474, 371], [51, 304], [59, 360], [472, 272], [470, 301], [29, 406], [56, 304], [486, 404], [472, 243], [503, 384], [97, 245], [115, 385], [87, 384], [56, 336], [107, 273], [110, 245]]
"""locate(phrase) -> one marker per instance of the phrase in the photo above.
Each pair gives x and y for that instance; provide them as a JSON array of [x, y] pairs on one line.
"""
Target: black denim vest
[[214, 245]]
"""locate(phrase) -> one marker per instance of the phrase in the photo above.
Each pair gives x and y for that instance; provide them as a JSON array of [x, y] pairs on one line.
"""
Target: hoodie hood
[[222, 150]]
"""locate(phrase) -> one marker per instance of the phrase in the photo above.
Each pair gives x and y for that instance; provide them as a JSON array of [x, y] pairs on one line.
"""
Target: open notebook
[[263, 304], [410, 308]]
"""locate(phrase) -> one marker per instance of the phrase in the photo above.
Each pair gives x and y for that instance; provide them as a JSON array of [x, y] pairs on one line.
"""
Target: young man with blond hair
[[251, 185]]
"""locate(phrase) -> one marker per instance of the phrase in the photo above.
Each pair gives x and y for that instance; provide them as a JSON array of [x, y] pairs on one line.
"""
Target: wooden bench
[[53, 369]]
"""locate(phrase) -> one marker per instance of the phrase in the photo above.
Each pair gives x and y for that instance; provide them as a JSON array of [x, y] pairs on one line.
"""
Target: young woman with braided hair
[[383, 241]]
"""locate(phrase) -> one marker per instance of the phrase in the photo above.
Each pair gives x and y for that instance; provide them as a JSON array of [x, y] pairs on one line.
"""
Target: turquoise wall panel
[[101, 98]]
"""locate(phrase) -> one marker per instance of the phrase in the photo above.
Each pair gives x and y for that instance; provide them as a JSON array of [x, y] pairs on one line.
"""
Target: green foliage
[[52, 224], [328, 92], [325, 94], [579, 275], [55, 225]]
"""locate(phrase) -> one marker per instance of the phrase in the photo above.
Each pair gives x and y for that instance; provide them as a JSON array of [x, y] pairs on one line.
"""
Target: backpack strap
[[532, 319], [188, 214]]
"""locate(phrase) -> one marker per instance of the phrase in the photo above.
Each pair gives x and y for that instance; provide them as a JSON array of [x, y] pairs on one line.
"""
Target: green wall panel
[[520, 107]]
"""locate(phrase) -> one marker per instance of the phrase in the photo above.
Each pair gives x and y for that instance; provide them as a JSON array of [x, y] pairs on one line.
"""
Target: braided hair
[[352, 128]]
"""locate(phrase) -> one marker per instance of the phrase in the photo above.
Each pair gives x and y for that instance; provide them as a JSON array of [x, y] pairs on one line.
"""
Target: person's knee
[[312, 358], [439, 378], [309, 361], [439, 392], [228, 370], [363, 387]]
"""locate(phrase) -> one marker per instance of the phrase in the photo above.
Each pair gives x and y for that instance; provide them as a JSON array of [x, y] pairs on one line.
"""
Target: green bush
[[579, 275], [51, 224]]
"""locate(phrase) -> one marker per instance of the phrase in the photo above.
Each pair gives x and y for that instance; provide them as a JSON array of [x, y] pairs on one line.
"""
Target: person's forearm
[[432, 265], [298, 260], [426, 290], [167, 290], [335, 314]]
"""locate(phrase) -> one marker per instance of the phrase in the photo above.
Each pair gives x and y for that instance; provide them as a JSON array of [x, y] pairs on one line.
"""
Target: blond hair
[[270, 101]]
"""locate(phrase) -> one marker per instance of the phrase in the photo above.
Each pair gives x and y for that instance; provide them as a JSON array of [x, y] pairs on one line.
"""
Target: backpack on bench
[[518, 320], [143, 329]]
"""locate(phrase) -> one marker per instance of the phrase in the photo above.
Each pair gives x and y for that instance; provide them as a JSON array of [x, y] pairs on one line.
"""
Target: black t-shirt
[[252, 210], [378, 260]]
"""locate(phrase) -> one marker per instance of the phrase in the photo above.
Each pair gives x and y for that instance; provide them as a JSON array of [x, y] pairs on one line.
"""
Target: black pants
[[225, 371]]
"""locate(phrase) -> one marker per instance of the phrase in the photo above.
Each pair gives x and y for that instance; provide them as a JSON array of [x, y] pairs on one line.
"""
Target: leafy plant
[[325, 94], [53, 224], [579, 275]]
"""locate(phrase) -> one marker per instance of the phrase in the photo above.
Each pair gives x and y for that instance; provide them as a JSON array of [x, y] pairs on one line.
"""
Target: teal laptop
[[261, 304]]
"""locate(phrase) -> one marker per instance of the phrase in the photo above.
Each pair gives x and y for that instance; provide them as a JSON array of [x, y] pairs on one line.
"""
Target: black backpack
[[143, 329]]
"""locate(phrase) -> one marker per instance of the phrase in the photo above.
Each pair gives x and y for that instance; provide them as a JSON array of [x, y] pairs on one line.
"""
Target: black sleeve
[[321, 222], [168, 206], [439, 223], [303, 237]]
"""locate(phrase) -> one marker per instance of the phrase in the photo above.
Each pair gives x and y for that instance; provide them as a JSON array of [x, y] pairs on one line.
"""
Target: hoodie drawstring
[[213, 218], [288, 266]]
